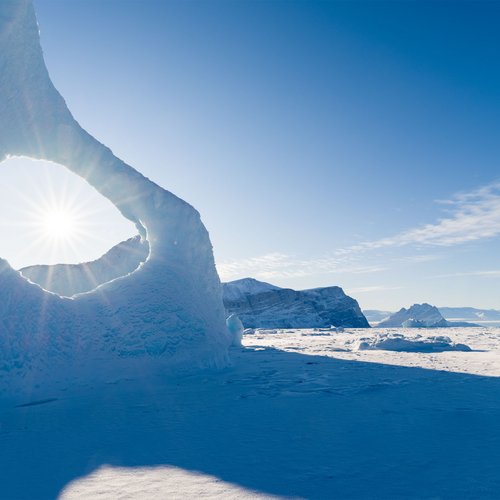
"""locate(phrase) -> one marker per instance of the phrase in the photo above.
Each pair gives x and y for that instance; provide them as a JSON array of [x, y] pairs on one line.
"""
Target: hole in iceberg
[[57, 229]]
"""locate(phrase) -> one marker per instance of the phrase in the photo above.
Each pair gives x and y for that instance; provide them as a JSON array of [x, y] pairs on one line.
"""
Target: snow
[[411, 343], [71, 279], [106, 395], [297, 415], [236, 329], [150, 483], [168, 312]]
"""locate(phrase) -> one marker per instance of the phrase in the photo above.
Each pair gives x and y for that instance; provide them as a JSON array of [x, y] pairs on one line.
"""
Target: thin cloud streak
[[494, 273], [278, 265], [416, 259], [374, 288], [471, 216]]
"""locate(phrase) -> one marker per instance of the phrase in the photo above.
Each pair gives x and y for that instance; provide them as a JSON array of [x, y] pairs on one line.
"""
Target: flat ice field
[[300, 414]]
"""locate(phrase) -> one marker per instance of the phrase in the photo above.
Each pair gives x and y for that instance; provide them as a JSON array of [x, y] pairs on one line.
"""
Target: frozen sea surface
[[300, 414]]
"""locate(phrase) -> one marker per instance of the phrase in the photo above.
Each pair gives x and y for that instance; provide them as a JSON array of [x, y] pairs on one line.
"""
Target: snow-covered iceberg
[[417, 316], [169, 308], [410, 343]]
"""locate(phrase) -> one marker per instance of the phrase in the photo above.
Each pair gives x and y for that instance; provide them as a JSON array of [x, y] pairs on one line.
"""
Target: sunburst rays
[[55, 216]]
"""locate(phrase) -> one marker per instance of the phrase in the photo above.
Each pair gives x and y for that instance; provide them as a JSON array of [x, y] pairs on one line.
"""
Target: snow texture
[[169, 309], [416, 343], [70, 279], [297, 416], [235, 328]]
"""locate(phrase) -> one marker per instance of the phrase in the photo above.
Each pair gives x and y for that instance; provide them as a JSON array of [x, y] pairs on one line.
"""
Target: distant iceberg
[[417, 316], [262, 305]]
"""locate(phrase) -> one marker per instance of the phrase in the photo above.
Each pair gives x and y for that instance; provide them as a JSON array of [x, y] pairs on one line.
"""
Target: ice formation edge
[[169, 309]]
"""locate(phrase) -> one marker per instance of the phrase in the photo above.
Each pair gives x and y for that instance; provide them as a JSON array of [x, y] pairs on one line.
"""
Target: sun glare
[[58, 224], [51, 216]]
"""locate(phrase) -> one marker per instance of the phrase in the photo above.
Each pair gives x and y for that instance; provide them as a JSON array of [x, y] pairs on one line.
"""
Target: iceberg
[[168, 309], [236, 329]]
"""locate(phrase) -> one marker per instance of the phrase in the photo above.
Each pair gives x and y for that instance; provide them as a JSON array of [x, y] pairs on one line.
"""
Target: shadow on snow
[[277, 422]]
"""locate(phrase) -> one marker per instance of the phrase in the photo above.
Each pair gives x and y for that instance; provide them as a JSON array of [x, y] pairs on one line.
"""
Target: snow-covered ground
[[301, 414]]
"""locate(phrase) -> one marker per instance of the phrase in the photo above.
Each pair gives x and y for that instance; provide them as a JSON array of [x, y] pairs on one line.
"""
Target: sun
[[58, 224]]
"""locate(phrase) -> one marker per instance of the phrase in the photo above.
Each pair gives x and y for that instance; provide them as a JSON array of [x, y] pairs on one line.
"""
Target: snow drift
[[169, 308], [416, 343]]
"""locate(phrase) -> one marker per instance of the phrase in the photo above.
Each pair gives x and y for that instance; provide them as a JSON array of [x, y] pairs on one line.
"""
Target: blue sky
[[349, 143]]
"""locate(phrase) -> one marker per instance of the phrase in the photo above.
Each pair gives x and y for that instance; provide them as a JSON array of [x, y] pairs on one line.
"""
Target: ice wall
[[170, 308], [70, 279]]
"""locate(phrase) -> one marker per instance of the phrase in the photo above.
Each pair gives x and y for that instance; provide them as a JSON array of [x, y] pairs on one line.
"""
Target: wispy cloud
[[493, 273], [263, 266], [375, 288], [469, 217], [279, 265], [416, 259]]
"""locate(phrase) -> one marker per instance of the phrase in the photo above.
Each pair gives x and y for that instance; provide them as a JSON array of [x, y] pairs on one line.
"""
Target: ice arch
[[170, 308], [68, 280], [50, 215]]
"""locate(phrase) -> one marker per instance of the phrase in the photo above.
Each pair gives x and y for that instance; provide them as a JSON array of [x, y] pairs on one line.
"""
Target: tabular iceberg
[[262, 305], [169, 308]]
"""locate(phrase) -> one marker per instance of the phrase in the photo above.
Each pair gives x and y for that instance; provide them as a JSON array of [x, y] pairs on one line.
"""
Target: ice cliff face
[[261, 305], [170, 308], [423, 315], [70, 279]]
